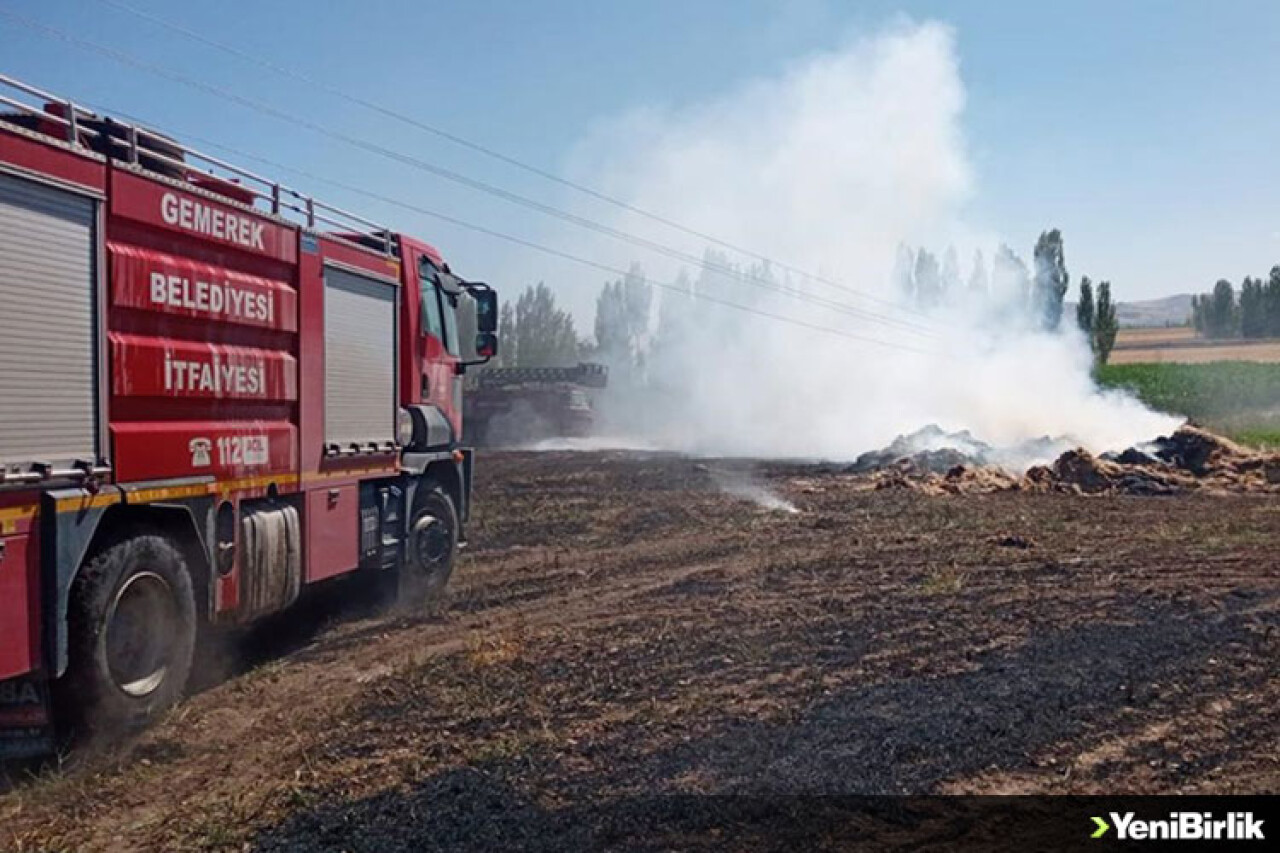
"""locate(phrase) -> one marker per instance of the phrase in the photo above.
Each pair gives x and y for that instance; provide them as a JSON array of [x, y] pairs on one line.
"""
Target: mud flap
[[26, 724]]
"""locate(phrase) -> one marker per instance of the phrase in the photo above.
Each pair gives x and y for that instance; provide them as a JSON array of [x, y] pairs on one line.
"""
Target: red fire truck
[[214, 392]]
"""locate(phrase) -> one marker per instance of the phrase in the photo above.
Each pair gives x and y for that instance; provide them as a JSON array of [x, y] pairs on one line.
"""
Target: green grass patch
[[1238, 398], [1260, 435]]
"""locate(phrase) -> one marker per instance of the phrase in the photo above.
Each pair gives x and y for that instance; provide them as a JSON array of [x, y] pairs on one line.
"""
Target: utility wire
[[463, 142], [456, 177], [520, 241]]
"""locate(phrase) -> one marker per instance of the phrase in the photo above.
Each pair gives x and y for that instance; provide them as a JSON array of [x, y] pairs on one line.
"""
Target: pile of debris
[[960, 478], [1191, 459], [928, 449], [934, 449]]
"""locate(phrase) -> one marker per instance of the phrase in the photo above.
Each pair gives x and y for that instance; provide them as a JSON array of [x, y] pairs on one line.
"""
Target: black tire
[[432, 548], [132, 632]]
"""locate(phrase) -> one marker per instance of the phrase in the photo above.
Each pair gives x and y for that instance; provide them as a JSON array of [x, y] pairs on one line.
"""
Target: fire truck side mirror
[[486, 312], [486, 345]]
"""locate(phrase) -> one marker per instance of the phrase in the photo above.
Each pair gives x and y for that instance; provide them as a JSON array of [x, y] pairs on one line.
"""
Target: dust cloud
[[830, 166]]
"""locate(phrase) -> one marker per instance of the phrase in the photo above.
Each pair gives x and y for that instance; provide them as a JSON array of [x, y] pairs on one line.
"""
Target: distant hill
[[1166, 311], [1169, 311]]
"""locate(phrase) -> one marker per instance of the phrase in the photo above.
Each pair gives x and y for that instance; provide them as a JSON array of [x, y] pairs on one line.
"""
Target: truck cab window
[[450, 304], [432, 316]]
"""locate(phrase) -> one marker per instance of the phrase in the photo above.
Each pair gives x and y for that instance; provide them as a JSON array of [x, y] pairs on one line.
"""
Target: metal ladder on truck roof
[[48, 115]]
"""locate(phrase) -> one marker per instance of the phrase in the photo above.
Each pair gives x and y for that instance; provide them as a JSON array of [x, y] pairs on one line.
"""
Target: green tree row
[[1097, 318], [930, 283], [536, 332], [1038, 291], [1255, 314]]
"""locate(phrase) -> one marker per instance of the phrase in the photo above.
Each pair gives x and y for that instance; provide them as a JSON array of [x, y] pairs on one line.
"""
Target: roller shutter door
[[359, 359], [48, 409]]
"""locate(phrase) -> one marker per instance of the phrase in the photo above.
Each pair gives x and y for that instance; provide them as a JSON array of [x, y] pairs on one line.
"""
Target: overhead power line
[[520, 241], [448, 174], [917, 327], [127, 59], [491, 153]]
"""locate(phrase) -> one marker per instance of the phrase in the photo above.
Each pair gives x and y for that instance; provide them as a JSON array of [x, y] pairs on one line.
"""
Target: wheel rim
[[141, 627], [431, 541]]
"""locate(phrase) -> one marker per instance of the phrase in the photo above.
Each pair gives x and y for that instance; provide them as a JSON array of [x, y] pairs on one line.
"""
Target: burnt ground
[[622, 630]]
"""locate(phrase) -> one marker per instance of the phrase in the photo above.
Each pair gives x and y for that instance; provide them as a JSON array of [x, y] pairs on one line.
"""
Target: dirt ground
[[622, 628]]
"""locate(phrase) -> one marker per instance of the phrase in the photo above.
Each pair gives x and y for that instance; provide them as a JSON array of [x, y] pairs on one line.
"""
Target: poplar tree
[[1105, 324], [1051, 279], [1085, 309]]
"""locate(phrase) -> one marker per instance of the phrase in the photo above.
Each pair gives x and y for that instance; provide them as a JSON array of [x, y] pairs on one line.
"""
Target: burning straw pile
[[1191, 459]]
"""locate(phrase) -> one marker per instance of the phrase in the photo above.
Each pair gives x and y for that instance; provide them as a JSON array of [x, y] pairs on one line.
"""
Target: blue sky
[[1145, 130]]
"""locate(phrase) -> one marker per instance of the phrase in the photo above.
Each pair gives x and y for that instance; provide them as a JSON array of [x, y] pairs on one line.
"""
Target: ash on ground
[[1191, 459]]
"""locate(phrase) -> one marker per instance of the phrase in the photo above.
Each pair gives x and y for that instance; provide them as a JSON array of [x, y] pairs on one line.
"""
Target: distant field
[[1155, 336], [1239, 398], [1179, 345]]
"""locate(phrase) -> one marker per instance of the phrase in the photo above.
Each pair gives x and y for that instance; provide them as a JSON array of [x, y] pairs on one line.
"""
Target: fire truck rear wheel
[[433, 548], [132, 625]]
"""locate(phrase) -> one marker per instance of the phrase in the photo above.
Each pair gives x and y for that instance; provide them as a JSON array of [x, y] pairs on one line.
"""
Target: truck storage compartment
[[47, 336], [332, 524], [360, 361], [19, 607]]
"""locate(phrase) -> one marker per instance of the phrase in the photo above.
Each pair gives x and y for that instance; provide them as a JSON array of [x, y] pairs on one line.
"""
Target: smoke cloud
[[740, 484], [831, 166]]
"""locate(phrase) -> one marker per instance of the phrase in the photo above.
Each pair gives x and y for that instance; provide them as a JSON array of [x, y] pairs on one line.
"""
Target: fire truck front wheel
[[132, 632], [433, 547]]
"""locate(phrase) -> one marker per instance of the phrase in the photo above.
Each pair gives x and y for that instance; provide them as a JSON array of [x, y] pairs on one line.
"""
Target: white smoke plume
[[740, 484], [830, 166]]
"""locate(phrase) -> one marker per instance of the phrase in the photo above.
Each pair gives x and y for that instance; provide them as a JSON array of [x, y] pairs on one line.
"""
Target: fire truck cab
[[214, 392]]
